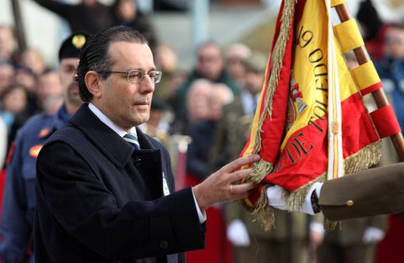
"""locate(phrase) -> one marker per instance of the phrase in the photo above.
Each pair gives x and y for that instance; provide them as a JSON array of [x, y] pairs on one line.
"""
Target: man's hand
[[224, 185]]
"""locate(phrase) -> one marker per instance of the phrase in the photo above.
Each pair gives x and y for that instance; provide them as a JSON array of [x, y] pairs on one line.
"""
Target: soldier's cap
[[72, 45], [256, 62]]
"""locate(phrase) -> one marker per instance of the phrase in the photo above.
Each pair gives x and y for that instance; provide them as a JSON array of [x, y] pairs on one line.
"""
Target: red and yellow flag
[[310, 123]]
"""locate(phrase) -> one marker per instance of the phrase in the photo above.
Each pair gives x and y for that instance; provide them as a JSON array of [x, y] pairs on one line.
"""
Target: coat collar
[[109, 142]]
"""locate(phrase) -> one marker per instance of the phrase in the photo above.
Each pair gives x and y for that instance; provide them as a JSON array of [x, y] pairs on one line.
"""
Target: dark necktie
[[132, 139]]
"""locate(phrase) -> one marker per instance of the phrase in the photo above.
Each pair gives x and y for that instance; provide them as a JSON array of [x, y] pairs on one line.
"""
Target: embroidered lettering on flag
[[310, 120]]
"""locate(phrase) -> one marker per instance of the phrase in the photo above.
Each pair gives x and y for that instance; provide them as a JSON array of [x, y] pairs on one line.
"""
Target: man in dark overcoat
[[105, 191]]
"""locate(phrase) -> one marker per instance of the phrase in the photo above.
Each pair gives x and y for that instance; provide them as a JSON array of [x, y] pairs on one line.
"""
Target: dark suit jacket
[[368, 193], [98, 200]]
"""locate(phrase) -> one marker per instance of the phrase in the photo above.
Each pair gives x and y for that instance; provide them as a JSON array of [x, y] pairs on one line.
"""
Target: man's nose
[[147, 84]]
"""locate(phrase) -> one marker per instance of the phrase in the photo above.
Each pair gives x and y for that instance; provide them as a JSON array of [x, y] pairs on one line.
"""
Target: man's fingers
[[239, 175], [239, 162], [238, 189]]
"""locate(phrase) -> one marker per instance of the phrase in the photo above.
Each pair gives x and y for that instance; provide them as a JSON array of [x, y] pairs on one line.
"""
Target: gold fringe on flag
[[370, 155], [262, 168], [262, 210]]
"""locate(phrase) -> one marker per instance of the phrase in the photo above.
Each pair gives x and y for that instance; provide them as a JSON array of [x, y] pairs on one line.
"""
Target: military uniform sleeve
[[15, 229], [68, 189], [368, 193]]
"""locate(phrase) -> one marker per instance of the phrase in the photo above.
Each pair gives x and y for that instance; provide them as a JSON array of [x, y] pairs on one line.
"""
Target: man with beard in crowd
[[19, 200]]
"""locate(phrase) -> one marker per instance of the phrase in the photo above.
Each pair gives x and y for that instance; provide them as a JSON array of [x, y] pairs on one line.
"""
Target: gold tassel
[[263, 212], [260, 170]]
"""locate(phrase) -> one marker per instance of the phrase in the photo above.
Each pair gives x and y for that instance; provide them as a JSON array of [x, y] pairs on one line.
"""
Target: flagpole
[[22, 44], [379, 96]]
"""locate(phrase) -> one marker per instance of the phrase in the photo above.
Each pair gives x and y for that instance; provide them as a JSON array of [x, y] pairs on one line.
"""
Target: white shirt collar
[[107, 121]]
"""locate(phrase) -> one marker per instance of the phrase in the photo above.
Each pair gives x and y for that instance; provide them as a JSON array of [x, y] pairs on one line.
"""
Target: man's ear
[[93, 83]]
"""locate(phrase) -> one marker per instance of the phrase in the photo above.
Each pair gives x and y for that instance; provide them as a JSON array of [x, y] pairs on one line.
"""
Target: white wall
[[44, 30], [40, 26]]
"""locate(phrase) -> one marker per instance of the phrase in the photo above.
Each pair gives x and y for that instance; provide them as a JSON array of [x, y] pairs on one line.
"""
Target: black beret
[[71, 47]]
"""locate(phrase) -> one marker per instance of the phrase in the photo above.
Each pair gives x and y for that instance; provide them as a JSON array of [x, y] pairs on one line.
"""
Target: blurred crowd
[[210, 106]]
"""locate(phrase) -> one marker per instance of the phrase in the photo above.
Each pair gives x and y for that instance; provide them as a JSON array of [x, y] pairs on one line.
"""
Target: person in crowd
[[14, 99], [198, 100], [233, 130], [158, 125], [19, 200], [26, 77], [105, 191], [89, 16], [372, 28], [201, 133], [391, 69], [167, 58], [7, 72], [126, 13], [3, 142], [210, 66], [8, 43], [289, 240], [202, 129], [15, 102], [235, 55], [197, 105], [32, 59], [221, 96], [167, 61], [354, 241], [50, 91]]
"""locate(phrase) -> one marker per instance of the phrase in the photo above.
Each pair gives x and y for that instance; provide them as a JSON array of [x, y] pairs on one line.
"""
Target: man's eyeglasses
[[137, 75]]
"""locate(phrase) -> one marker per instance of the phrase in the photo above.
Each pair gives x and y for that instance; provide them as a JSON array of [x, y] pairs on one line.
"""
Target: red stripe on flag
[[305, 156], [357, 127]]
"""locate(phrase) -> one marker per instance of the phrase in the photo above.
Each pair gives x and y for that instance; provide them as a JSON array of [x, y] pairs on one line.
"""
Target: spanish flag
[[310, 123]]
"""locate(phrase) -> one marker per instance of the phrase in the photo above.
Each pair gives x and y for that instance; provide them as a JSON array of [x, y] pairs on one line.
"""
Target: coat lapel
[[147, 161]]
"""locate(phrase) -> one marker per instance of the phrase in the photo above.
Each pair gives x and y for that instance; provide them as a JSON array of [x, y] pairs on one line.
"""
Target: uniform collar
[[59, 119], [63, 115]]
